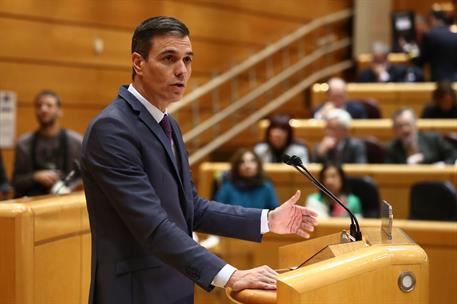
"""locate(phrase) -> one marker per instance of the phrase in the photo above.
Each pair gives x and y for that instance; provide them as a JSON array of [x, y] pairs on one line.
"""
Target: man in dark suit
[[141, 201], [439, 48], [413, 147], [337, 145]]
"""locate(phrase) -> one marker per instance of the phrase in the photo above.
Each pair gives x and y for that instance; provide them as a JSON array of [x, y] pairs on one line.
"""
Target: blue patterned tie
[[165, 124]]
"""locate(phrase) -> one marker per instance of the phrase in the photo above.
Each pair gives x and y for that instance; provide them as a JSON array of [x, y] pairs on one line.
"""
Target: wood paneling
[[291, 9], [74, 46], [438, 239], [203, 21], [420, 7]]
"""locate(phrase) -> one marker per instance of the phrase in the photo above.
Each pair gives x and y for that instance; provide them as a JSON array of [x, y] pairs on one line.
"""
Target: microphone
[[61, 187], [297, 163]]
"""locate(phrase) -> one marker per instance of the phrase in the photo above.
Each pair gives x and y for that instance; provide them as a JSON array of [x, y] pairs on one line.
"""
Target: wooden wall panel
[[74, 46], [203, 21], [298, 10], [420, 7], [59, 266], [80, 87]]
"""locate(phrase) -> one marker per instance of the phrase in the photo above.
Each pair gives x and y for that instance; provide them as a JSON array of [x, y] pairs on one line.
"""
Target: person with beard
[[246, 184], [279, 140], [413, 147], [46, 156]]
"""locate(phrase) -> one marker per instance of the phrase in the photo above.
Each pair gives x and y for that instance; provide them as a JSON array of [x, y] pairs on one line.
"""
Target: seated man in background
[[381, 70], [279, 140], [337, 145], [247, 184], [337, 98], [4, 187], [444, 102], [413, 147], [45, 156]]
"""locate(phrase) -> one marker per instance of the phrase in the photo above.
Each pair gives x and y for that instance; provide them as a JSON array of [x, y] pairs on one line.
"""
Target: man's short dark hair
[[155, 26], [49, 93]]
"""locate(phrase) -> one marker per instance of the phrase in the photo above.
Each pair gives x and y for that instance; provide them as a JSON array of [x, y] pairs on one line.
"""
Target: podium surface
[[374, 270]]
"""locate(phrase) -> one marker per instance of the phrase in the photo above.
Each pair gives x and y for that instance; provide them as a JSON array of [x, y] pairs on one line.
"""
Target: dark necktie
[[165, 124]]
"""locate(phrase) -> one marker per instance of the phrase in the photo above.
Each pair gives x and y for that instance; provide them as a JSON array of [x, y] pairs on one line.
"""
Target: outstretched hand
[[290, 218]]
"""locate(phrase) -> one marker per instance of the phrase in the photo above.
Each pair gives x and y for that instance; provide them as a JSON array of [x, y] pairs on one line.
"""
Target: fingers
[[302, 233], [262, 277], [294, 199]]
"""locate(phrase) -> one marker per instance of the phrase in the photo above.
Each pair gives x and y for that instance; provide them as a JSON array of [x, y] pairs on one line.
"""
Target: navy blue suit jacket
[[439, 48], [143, 208]]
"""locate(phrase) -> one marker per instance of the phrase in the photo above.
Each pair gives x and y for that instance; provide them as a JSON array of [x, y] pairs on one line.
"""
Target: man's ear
[[137, 63]]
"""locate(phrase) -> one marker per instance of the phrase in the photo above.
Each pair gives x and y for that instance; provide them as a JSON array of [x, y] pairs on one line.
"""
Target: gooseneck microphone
[[297, 163], [74, 173]]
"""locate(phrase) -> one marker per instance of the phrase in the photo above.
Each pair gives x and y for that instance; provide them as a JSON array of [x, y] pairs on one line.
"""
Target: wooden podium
[[329, 269]]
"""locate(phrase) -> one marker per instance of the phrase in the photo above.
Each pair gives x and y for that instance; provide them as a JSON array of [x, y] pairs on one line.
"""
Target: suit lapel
[[152, 125], [184, 172]]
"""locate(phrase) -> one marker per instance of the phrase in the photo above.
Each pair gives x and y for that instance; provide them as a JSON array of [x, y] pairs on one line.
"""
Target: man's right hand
[[262, 277], [46, 177], [327, 143]]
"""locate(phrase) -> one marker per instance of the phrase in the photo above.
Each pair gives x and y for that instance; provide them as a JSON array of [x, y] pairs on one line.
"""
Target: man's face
[[405, 126], [333, 128], [47, 111], [165, 73], [337, 96]]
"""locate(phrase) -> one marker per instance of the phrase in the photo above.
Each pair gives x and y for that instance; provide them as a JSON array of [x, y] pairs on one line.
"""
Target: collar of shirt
[[153, 110]]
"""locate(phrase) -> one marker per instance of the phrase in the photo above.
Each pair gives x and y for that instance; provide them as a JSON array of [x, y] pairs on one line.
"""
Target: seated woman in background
[[279, 140], [334, 178], [246, 184], [444, 102]]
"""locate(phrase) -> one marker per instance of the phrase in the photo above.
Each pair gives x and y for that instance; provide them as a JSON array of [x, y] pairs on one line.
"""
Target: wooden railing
[[230, 103]]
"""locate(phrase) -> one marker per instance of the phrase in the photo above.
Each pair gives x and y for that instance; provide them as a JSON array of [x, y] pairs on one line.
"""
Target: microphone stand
[[296, 162]]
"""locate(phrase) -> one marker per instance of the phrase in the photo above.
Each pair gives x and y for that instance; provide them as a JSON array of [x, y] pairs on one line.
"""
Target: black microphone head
[[296, 160], [286, 159]]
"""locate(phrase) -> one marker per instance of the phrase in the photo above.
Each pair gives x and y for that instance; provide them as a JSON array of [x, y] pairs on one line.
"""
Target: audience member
[[337, 98], [439, 48], [381, 70], [45, 156], [334, 178], [444, 102], [247, 185], [413, 147], [279, 140], [337, 144], [4, 187]]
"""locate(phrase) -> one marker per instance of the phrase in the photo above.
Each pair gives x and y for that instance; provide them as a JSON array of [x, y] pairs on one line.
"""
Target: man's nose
[[180, 69]]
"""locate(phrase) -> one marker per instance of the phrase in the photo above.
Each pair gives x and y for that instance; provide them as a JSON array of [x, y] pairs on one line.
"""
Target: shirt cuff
[[264, 222], [223, 276]]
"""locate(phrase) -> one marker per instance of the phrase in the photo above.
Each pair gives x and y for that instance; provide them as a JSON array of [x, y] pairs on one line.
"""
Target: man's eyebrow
[[172, 52]]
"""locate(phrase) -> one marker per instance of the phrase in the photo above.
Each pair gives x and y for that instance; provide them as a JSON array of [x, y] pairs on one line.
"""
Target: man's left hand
[[290, 218]]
